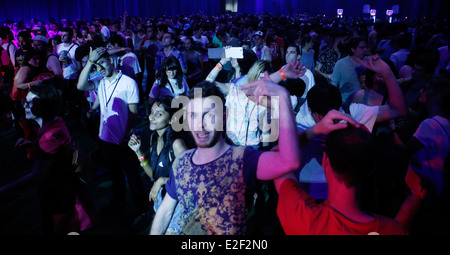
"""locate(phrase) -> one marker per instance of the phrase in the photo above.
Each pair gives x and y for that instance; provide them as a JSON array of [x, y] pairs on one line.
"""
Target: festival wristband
[[283, 75]]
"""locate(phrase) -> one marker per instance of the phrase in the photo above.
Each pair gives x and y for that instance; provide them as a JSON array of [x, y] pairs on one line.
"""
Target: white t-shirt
[[128, 64], [308, 78], [105, 31], [204, 41], [363, 114], [245, 119], [70, 70], [261, 54], [114, 99]]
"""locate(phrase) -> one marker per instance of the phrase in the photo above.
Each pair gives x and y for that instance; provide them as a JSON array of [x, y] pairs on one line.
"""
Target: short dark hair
[[247, 62], [81, 51], [162, 27], [305, 39], [296, 87], [117, 39], [5, 31], [207, 89], [354, 42], [105, 55], [221, 32], [28, 55], [97, 40], [324, 97], [166, 103], [68, 30], [351, 152], [297, 48], [48, 103], [25, 34]]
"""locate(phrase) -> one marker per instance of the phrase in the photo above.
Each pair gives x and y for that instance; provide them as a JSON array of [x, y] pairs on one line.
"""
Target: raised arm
[[396, 104], [224, 87], [291, 70], [273, 164], [83, 80], [135, 145], [334, 120]]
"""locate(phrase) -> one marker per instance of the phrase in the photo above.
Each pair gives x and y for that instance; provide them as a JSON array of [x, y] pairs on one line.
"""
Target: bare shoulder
[[179, 147]]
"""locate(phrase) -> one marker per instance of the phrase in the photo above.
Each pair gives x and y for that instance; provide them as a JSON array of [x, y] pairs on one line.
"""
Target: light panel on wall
[[373, 14]]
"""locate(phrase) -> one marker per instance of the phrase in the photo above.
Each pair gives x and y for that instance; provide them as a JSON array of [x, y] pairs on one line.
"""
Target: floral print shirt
[[212, 195]]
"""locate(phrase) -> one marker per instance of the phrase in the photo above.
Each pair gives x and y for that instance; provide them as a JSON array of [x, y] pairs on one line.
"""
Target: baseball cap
[[40, 38], [258, 33], [39, 28]]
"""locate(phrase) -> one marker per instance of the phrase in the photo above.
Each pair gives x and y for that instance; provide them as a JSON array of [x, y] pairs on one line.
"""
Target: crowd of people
[[323, 125]]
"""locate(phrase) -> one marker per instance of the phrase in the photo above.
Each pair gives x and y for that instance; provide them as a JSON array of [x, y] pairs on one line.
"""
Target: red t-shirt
[[299, 214]]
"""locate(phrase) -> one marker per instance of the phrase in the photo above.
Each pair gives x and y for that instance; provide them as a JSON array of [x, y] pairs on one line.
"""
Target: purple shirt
[[212, 195]]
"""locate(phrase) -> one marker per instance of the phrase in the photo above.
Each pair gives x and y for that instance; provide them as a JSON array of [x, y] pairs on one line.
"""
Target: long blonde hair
[[260, 66]]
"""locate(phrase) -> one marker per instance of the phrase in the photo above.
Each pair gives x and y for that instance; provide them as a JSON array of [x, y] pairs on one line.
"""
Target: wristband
[[29, 86], [219, 66], [144, 163], [283, 75], [141, 158]]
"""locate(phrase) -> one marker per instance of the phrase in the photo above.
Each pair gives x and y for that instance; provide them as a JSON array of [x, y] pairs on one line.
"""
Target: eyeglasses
[[27, 104]]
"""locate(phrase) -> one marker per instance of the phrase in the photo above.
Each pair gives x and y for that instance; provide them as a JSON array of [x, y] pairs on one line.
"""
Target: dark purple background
[[71, 9]]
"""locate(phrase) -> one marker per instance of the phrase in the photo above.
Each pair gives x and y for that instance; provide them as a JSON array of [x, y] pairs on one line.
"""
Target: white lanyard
[[110, 96]]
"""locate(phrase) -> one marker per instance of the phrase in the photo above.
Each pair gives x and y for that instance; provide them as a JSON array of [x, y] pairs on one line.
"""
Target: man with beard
[[212, 182]]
